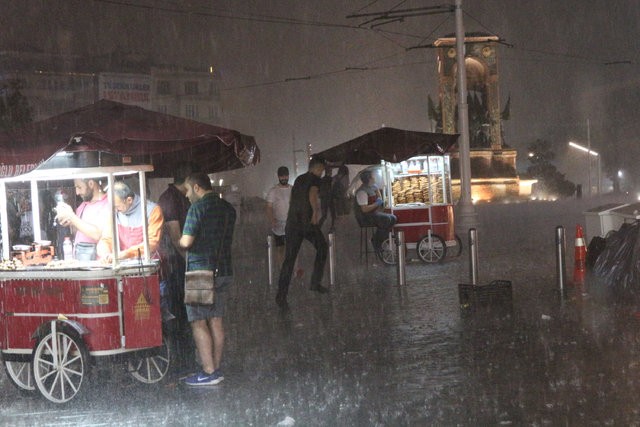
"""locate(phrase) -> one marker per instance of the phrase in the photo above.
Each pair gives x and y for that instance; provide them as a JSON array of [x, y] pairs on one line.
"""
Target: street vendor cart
[[418, 192], [412, 170], [58, 317]]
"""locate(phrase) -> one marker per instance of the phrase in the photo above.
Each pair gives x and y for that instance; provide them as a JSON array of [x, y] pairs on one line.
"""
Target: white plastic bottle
[[67, 249]]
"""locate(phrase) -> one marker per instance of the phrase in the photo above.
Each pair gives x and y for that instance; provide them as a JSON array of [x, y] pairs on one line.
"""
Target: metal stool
[[366, 232]]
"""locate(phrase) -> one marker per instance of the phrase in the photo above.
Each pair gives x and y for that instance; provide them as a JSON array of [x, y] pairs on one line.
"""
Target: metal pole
[[473, 256], [561, 271], [467, 217], [589, 154], [35, 208], [599, 176], [332, 258], [142, 182], [402, 278], [295, 160], [4, 221], [270, 241]]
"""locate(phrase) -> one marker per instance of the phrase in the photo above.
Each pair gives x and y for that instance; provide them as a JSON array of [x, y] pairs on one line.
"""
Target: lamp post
[[468, 217], [590, 154]]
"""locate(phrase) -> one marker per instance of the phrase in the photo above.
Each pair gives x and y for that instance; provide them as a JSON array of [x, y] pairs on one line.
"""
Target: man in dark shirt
[[302, 223], [208, 235], [174, 205]]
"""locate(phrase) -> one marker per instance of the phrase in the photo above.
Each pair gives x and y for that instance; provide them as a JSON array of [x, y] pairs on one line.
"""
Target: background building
[[54, 84]]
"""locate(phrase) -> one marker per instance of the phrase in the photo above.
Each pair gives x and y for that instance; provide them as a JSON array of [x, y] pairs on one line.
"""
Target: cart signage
[[34, 291], [142, 308], [94, 295], [141, 311], [14, 170]]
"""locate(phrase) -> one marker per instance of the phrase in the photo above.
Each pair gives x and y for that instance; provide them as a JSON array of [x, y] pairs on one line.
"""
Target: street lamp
[[590, 154]]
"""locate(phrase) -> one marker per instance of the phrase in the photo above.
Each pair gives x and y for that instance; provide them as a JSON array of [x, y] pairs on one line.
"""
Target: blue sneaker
[[202, 378]]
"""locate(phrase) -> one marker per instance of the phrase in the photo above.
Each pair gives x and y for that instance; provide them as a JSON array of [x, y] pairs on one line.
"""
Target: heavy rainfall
[[378, 348]]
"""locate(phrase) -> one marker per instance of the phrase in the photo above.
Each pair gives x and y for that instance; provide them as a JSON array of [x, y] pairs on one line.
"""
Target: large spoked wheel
[[387, 253], [60, 365], [431, 248], [21, 375], [154, 367]]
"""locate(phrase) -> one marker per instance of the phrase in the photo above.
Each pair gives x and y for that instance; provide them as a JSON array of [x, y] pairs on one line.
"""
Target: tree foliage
[[550, 181], [14, 108]]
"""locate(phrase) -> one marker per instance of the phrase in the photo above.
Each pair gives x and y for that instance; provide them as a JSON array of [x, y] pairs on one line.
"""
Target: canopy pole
[[4, 221], [145, 227]]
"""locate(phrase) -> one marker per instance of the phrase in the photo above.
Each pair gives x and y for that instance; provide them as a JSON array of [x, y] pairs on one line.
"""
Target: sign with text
[[132, 89]]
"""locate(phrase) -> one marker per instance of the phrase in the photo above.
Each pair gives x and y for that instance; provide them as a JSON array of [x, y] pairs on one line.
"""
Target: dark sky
[[555, 72]]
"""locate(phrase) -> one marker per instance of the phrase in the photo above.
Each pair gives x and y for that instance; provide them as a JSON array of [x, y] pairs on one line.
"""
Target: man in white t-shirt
[[278, 199], [370, 206]]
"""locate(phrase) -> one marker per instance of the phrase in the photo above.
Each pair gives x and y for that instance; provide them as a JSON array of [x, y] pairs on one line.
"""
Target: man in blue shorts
[[207, 235]]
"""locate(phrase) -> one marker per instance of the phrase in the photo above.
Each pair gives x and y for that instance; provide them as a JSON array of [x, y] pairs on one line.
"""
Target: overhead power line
[[376, 19], [325, 74], [250, 17]]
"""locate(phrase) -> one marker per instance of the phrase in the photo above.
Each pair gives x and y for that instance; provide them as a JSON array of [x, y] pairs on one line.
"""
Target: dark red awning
[[389, 144], [121, 129]]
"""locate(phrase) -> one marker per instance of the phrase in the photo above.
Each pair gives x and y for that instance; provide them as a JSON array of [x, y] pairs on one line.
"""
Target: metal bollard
[[473, 255], [270, 242], [402, 279], [561, 248], [332, 258]]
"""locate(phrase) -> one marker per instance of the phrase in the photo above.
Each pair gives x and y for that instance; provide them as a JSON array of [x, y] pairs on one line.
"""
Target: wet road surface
[[374, 354]]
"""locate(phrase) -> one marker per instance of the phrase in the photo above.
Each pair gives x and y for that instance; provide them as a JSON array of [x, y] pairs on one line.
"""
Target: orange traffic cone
[[580, 258]]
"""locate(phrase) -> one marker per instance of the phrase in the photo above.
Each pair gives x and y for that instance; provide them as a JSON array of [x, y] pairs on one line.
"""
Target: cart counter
[[120, 307]]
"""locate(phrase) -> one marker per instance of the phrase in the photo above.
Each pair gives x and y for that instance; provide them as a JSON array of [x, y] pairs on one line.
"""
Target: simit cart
[[418, 192], [58, 318]]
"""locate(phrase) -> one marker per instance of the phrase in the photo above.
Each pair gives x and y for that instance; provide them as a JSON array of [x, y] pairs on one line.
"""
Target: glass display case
[[421, 180]]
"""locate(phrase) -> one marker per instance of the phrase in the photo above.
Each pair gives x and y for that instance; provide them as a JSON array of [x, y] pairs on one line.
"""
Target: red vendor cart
[[412, 170], [418, 192], [60, 317]]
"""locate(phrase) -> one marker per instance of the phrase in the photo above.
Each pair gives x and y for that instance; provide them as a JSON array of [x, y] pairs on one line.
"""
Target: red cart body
[[417, 221], [120, 312], [418, 192]]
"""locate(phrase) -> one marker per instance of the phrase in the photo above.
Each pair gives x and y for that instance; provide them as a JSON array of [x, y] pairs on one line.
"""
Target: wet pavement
[[372, 353]]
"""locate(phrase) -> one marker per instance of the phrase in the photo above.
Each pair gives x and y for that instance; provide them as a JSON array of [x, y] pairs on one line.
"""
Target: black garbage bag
[[619, 263], [595, 248]]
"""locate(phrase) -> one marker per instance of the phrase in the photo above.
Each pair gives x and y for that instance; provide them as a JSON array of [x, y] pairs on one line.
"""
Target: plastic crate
[[496, 294]]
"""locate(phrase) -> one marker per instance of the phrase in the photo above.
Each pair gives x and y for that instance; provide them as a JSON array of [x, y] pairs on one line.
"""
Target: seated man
[[130, 222], [369, 203]]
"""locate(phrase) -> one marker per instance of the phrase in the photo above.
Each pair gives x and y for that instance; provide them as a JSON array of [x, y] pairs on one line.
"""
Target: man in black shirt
[[302, 223]]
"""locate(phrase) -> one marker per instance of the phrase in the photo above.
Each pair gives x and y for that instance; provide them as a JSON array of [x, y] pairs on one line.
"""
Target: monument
[[493, 163]]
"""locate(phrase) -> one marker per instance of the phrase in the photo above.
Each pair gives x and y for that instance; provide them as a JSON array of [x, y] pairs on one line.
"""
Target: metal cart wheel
[[60, 365], [21, 375], [456, 250], [151, 368], [387, 253], [431, 248]]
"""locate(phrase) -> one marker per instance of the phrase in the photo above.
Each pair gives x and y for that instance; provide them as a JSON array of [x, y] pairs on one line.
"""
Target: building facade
[[52, 89]]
